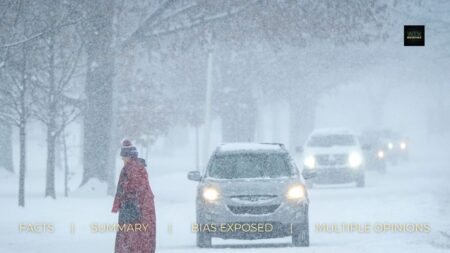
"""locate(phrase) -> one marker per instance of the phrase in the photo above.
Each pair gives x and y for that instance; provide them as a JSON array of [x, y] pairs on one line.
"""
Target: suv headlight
[[210, 193], [402, 145], [380, 154], [296, 192], [355, 159], [310, 162]]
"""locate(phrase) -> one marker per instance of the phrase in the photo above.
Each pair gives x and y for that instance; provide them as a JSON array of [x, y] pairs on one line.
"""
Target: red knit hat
[[128, 150]]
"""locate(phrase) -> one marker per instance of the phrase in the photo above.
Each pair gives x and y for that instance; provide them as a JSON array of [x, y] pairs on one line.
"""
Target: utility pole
[[209, 84]]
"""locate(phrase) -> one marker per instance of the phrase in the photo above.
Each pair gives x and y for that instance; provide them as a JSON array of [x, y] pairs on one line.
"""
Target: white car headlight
[[390, 145], [210, 193], [402, 145], [296, 192], [310, 162], [355, 159], [380, 154]]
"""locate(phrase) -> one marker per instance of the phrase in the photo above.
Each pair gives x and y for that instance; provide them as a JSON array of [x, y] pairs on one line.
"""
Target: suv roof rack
[[250, 145], [273, 143]]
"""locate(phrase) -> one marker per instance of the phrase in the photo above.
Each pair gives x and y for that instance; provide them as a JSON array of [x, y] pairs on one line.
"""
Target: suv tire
[[361, 181], [203, 240], [300, 235], [309, 184]]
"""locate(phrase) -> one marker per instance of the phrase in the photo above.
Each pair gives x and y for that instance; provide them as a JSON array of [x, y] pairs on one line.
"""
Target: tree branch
[[198, 22], [202, 21], [147, 23]]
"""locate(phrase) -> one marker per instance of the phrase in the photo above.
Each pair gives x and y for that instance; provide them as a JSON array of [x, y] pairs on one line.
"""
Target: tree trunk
[[51, 125], [275, 109], [66, 165], [59, 159], [50, 180], [197, 148], [208, 107], [111, 166], [239, 121], [98, 90], [6, 156], [22, 128], [22, 166], [301, 118]]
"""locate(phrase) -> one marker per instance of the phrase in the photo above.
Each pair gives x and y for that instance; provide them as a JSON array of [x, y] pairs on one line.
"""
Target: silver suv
[[251, 191]]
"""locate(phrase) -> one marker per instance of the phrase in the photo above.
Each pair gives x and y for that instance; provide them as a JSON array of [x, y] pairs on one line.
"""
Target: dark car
[[397, 149], [374, 151], [394, 144]]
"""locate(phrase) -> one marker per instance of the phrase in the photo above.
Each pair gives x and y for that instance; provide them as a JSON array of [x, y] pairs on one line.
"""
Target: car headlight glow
[[355, 159], [310, 162], [402, 145], [380, 154], [210, 193], [296, 192], [390, 145]]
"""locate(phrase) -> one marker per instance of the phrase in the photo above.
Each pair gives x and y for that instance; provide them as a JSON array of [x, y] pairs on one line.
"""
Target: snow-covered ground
[[415, 192]]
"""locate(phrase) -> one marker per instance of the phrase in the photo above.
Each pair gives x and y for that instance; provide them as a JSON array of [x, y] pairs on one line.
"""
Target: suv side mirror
[[307, 173], [299, 149], [194, 175]]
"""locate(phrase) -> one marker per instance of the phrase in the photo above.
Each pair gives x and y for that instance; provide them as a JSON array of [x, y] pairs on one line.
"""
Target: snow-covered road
[[416, 192]]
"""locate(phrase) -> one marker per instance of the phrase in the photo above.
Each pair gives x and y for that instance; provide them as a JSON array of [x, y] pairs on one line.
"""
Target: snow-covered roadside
[[414, 192]]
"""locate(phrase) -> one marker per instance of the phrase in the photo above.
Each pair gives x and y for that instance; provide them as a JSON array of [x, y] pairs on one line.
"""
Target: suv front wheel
[[300, 236], [203, 237], [300, 233], [361, 180], [309, 184], [203, 240]]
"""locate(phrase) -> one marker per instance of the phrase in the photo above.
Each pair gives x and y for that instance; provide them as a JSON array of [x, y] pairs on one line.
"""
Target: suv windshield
[[234, 166], [331, 140]]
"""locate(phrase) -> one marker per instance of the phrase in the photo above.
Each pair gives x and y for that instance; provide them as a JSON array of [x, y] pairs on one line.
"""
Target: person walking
[[136, 232]]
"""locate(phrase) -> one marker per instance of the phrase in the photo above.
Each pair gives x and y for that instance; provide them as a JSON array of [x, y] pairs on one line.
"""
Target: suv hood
[[331, 150]]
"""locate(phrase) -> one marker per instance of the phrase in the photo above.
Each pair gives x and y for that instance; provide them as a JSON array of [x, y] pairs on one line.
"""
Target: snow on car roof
[[248, 146], [332, 131]]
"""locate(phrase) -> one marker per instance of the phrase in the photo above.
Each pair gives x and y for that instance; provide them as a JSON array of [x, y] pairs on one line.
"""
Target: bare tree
[[60, 51], [16, 92], [6, 156], [8, 17], [141, 23], [282, 27], [98, 89]]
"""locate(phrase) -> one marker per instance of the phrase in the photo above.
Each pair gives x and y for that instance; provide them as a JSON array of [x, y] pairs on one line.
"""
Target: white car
[[335, 156]]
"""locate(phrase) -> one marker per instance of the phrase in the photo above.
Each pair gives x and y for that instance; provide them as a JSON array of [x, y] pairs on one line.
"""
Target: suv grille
[[253, 209], [253, 198], [331, 160]]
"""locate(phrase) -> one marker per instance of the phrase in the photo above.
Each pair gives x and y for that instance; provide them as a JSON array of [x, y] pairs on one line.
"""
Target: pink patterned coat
[[134, 202]]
